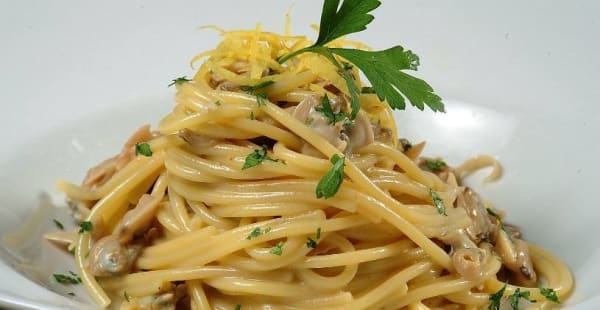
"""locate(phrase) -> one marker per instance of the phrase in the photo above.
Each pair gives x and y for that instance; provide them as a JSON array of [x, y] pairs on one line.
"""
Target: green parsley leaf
[[257, 157], [278, 249], [311, 243], [143, 148], [252, 90], [252, 117], [67, 279], [86, 226], [328, 111], [353, 16], [58, 224], [179, 81], [330, 183], [497, 216], [257, 232], [126, 296], [382, 68], [238, 307], [514, 298], [367, 90], [435, 164], [550, 294], [496, 298], [439, 203], [254, 233]]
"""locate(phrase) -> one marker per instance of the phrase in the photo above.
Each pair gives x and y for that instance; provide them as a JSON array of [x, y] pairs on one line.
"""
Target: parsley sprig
[[257, 157], [384, 69]]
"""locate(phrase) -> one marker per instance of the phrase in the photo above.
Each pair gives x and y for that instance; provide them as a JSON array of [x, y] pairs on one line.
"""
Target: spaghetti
[[184, 222]]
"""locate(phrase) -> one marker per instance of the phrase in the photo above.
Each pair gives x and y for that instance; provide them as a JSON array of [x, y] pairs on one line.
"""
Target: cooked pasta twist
[[193, 227]]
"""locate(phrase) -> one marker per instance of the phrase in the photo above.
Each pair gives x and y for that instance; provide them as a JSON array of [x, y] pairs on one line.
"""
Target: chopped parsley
[[254, 233], [514, 298], [126, 296], [278, 249], [496, 298], [550, 294], [86, 226], [438, 202], [71, 294], [435, 164], [143, 148], [330, 183], [311, 243], [384, 69], [58, 224], [179, 81], [71, 278], [328, 111], [253, 90], [252, 117], [238, 307], [257, 232], [257, 157]]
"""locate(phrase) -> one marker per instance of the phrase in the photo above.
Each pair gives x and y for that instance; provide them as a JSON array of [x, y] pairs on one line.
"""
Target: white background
[[520, 80]]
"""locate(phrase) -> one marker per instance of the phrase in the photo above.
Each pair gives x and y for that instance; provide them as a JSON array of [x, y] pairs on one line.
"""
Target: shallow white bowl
[[520, 82]]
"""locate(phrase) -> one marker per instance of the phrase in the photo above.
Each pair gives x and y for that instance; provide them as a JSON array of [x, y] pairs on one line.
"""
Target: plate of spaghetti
[[288, 171]]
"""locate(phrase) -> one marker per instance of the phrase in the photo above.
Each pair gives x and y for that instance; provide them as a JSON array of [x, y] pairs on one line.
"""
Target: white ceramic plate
[[519, 79]]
